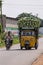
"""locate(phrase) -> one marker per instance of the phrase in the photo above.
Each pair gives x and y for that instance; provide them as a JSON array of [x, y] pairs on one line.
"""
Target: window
[[28, 33]]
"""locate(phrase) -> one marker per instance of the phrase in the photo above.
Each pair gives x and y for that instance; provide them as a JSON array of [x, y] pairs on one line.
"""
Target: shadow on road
[[17, 50]]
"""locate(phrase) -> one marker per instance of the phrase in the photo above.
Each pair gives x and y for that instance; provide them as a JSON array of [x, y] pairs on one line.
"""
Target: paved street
[[15, 56]]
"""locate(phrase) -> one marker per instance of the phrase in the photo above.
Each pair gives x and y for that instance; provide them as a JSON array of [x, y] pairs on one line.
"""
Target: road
[[15, 56]]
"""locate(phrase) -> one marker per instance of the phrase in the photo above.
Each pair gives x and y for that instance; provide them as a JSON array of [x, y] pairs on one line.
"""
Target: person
[[9, 36]]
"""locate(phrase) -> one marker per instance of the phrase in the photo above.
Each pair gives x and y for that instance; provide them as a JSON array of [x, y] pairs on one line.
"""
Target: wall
[[11, 25]]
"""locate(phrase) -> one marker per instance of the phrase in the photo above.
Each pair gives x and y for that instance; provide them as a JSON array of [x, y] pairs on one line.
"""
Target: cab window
[[27, 33]]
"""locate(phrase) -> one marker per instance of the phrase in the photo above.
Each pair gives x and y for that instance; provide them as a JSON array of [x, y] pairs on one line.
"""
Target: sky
[[12, 8]]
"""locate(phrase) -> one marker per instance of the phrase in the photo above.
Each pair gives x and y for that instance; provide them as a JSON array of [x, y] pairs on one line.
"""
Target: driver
[[9, 36]]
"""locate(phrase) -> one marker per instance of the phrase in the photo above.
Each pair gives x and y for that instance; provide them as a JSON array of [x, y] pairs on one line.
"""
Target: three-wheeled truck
[[28, 38], [28, 32]]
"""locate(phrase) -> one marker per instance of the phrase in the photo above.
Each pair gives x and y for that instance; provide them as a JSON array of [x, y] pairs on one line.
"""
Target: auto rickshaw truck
[[28, 32], [28, 38]]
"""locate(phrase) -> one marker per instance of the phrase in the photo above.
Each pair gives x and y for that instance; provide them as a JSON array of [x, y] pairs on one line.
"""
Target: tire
[[27, 47], [36, 45], [21, 47], [7, 47]]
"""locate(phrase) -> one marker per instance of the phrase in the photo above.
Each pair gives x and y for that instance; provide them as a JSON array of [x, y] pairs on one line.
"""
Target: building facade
[[9, 24]]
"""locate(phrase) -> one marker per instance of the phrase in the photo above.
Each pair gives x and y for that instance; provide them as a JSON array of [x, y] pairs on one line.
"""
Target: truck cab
[[28, 39]]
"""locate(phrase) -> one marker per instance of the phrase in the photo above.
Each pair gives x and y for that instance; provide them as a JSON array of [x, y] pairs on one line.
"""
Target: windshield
[[28, 33]]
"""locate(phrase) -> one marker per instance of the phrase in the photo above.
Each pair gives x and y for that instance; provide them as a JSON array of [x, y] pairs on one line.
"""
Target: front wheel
[[21, 47], [36, 45], [7, 48], [27, 47]]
